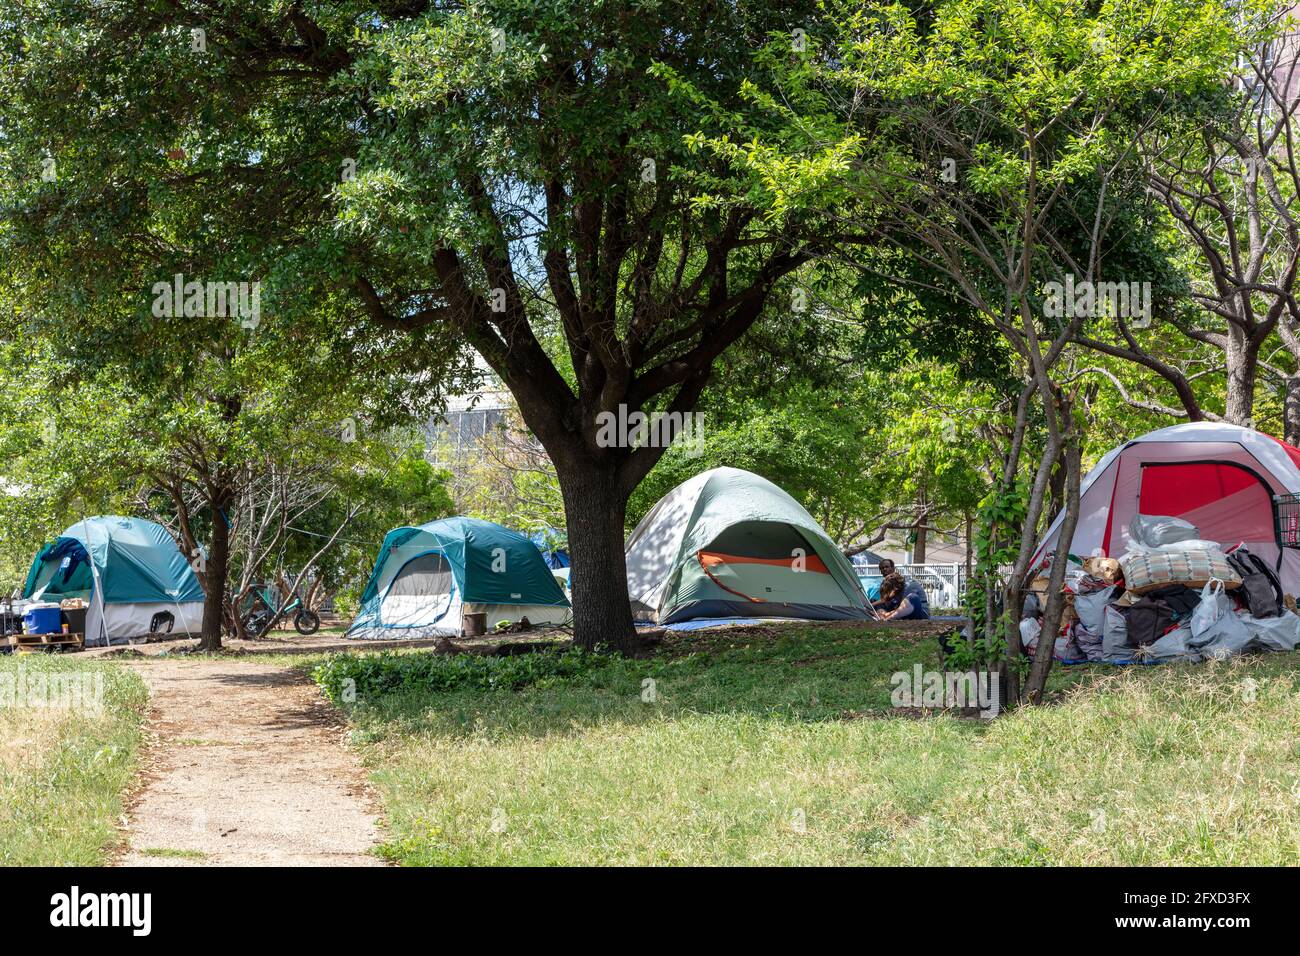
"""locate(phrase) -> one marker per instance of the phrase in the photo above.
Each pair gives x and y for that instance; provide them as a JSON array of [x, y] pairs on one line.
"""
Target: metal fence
[[945, 584]]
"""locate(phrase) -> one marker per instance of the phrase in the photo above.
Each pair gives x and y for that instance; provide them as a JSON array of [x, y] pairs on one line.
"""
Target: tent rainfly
[[427, 578], [133, 577], [1224, 479], [728, 543]]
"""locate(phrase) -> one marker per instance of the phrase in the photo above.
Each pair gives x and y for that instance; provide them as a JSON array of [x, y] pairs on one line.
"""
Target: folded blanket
[[1148, 570]]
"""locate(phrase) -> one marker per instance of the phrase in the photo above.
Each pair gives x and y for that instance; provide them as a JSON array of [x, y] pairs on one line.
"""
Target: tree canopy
[[838, 230]]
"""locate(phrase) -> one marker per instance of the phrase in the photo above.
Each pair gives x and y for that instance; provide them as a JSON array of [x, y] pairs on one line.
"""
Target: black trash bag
[[1180, 598], [1147, 620]]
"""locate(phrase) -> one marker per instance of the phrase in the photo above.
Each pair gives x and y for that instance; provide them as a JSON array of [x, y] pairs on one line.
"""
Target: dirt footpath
[[245, 765]]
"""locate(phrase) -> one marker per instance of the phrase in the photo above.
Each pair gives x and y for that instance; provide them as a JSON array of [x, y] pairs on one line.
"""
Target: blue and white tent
[[427, 578], [130, 573]]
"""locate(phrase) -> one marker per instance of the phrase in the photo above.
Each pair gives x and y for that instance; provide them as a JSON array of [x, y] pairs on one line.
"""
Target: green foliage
[[854, 444], [102, 440], [504, 476], [996, 545], [1001, 509], [395, 486], [355, 156], [976, 652], [373, 675]]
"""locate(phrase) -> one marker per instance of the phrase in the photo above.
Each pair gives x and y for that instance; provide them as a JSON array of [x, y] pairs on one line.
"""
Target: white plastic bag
[[1029, 631], [1213, 605], [1191, 544], [1225, 638], [1171, 647], [1089, 607]]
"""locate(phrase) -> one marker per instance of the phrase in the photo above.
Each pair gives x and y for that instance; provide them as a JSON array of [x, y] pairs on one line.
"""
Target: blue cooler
[[43, 620]]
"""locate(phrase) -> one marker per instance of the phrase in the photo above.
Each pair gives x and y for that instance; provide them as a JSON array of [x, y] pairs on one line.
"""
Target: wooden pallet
[[31, 643]]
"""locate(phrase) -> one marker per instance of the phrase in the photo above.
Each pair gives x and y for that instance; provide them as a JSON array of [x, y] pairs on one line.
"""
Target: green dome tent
[[129, 571], [427, 578], [728, 543]]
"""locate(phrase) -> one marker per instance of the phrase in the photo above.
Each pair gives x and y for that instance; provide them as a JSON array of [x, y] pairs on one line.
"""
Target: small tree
[[226, 450], [394, 486]]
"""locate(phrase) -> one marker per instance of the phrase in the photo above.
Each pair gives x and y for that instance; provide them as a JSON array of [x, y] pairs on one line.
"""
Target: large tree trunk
[[216, 571], [1242, 359], [595, 509], [1291, 411]]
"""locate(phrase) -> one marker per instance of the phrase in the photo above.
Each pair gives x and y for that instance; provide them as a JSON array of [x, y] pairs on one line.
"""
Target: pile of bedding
[[1173, 596]]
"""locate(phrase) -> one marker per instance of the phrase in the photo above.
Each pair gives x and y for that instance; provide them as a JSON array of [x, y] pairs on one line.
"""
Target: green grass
[[785, 750], [167, 852], [62, 769]]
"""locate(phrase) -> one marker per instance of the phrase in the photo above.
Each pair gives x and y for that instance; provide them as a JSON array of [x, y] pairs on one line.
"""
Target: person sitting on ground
[[878, 601], [908, 597]]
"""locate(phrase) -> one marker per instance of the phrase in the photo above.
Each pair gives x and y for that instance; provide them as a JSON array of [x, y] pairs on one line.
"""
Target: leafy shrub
[[348, 601], [373, 675], [973, 653]]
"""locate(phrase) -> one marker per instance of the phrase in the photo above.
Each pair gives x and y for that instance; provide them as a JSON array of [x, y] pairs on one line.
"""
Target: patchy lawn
[[63, 768], [782, 748]]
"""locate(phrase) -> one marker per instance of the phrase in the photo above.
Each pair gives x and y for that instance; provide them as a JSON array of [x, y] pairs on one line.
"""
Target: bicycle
[[262, 614]]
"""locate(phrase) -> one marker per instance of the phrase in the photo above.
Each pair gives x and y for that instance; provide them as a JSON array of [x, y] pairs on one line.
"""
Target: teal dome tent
[[427, 578], [130, 573]]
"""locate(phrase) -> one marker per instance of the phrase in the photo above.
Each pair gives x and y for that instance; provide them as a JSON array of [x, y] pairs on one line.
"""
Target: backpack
[[1148, 618], [1260, 587]]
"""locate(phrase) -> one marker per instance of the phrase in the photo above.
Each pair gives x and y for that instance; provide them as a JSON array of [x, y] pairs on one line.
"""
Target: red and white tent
[[1221, 478]]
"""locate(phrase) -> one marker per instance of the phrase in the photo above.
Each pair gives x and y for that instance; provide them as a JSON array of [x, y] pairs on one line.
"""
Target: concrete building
[[467, 419]]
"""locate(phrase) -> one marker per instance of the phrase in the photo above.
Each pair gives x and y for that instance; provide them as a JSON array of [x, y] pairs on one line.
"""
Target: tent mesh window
[[1287, 511], [424, 576], [761, 539]]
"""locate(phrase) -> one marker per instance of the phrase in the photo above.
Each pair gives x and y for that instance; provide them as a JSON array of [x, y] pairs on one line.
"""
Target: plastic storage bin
[[43, 620]]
